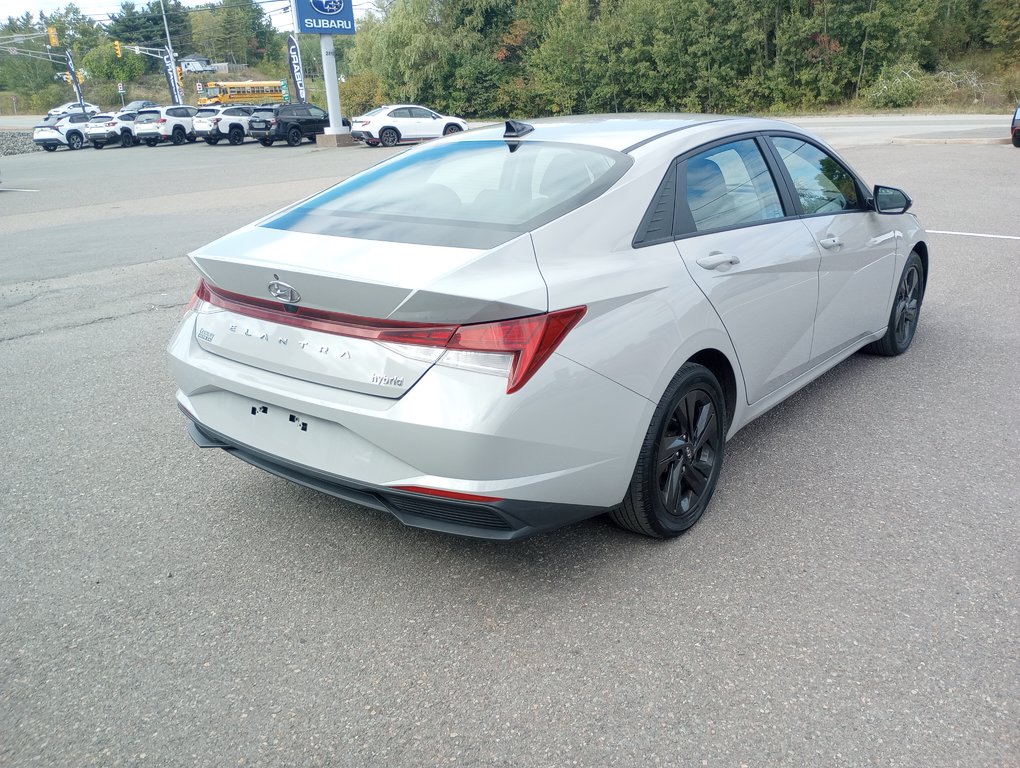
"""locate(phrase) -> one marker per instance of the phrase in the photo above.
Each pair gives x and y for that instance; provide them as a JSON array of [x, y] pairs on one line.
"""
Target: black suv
[[291, 122]]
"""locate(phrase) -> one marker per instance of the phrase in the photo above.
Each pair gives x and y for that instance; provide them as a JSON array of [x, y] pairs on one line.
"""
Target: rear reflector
[[515, 348], [457, 495]]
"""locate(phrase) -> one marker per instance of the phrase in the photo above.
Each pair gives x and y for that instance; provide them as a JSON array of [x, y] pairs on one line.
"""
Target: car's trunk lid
[[365, 283]]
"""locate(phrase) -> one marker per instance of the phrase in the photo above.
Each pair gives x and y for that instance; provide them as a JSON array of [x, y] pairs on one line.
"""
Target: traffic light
[[81, 77], [67, 78], [116, 48], [180, 76], [52, 32]]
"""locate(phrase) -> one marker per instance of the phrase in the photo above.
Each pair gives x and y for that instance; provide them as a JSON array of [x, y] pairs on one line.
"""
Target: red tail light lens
[[524, 343], [161, 121], [530, 340]]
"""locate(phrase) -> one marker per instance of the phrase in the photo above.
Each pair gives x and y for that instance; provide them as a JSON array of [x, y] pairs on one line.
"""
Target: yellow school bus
[[247, 92]]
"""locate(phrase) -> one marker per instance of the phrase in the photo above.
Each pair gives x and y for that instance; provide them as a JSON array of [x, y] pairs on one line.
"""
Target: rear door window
[[727, 186]]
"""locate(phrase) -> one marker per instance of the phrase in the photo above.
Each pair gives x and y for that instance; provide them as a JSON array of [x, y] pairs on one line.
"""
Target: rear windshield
[[207, 113], [262, 113], [147, 117], [471, 194], [98, 118]]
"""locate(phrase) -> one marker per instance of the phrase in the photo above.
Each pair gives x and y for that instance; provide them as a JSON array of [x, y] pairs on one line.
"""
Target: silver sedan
[[525, 325]]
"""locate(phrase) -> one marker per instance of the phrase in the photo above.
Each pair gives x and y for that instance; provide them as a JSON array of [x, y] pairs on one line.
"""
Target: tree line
[[486, 58]]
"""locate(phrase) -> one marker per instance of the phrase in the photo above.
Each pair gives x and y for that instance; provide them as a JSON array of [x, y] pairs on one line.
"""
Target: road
[[851, 597]]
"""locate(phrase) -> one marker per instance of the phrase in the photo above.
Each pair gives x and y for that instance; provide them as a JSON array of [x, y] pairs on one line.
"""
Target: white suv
[[63, 131], [111, 129], [173, 124], [215, 123]]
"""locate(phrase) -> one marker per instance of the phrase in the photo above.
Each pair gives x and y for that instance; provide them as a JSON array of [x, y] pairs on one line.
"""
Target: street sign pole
[[327, 18]]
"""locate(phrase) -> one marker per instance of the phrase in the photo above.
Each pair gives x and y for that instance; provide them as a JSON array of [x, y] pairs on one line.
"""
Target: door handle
[[830, 242], [716, 259]]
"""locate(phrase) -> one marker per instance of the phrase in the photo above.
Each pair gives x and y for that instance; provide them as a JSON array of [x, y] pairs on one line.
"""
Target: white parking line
[[973, 234], [15, 189]]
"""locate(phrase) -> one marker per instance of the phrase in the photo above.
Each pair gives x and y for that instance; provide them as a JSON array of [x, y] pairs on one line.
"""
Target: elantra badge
[[283, 292]]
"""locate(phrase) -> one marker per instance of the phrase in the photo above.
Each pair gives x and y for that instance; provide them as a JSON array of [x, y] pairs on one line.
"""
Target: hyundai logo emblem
[[284, 292]]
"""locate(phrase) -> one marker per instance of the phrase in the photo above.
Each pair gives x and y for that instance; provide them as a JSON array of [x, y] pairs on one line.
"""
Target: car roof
[[619, 132]]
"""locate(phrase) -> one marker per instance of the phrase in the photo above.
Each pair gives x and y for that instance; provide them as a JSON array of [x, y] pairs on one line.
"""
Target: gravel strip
[[16, 143]]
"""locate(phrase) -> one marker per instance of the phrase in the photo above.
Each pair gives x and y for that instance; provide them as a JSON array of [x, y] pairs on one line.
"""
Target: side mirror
[[890, 200]]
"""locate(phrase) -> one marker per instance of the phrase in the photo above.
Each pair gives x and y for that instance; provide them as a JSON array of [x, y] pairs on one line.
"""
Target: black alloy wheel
[[680, 459], [294, 136], [389, 137], [906, 311], [211, 141], [97, 145], [266, 142], [150, 142], [126, 139], [236, 135], [192, 138], [451, 128], [1016, 139], [74, 140], [50, 147], [177, 137]]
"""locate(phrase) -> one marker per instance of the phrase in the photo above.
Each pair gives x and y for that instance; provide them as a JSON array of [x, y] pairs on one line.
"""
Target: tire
[[236, 135], [266, 142], [126, 140], [312, 139], [452, 128], [389, 137], [150, 142], [680, 459], [75, 140], [192, 138], [97, 145], [1016, 139], [177, 137], [49, 147], [906, 311], [294, 136], [211, 141], [372, 143]]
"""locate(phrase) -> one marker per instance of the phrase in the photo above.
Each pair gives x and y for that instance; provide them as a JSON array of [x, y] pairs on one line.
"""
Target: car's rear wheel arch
[[720, 366]]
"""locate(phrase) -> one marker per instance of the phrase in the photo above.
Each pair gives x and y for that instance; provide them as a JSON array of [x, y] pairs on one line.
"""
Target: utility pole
[[169, 45]]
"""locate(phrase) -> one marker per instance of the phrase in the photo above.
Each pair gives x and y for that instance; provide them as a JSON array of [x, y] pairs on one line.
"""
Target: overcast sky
[[100, 10]]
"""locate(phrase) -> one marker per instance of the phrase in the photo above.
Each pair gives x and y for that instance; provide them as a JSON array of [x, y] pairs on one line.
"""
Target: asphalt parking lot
[[851, 597]]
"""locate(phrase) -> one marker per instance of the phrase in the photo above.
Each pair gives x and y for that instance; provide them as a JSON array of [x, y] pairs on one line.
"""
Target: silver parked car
[[511, 329]]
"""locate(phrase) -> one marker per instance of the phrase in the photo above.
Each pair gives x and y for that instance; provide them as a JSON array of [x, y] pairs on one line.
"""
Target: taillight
[[524, 343], [513, 348], [110, 125], [161, 121], [274, 121], [216, 120]]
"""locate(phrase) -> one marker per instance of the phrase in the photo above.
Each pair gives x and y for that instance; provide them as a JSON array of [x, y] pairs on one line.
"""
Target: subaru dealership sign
[[325, 17]]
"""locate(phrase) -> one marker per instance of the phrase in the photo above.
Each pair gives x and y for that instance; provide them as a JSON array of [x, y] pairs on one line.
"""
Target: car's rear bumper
[[501, 520], [561, 449], [106, 136]]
